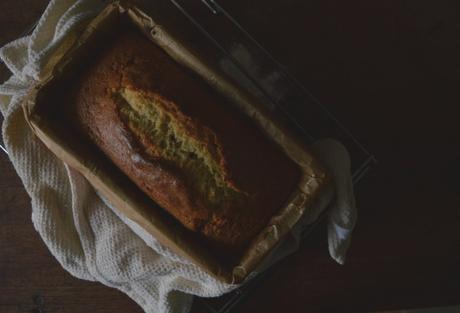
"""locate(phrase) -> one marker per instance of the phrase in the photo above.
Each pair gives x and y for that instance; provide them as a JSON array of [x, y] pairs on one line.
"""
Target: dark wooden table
[[390, 70]]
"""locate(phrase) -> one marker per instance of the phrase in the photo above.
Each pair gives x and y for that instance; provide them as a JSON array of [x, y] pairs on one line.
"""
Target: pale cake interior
[[154, 120]]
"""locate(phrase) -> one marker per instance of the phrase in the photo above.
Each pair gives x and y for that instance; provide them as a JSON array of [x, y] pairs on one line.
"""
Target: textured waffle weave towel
[[84, 234]]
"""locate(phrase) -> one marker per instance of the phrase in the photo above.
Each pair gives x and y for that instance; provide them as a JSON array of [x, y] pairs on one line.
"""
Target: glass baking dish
[[208, 28]]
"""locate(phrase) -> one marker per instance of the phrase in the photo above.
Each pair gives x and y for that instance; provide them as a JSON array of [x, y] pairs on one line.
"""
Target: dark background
[[390, 71]]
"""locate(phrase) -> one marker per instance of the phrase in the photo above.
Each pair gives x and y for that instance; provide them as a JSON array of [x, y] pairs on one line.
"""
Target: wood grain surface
[[390, 71]]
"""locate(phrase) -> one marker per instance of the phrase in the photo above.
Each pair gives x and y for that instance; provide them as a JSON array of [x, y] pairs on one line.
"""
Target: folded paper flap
[[127, 198]]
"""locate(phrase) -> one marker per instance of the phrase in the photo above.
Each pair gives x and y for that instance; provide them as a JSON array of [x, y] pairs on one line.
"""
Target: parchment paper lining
[[314, 181]]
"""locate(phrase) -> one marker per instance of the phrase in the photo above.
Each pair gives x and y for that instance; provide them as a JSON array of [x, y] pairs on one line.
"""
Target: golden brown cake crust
[[251, 164]]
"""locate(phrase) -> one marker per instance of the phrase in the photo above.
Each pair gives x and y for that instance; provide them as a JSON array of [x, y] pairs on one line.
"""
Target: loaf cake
[[181, 142]]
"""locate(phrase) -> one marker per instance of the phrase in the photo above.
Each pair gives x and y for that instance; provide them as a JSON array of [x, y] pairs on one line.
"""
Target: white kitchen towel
[[88, 238]]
